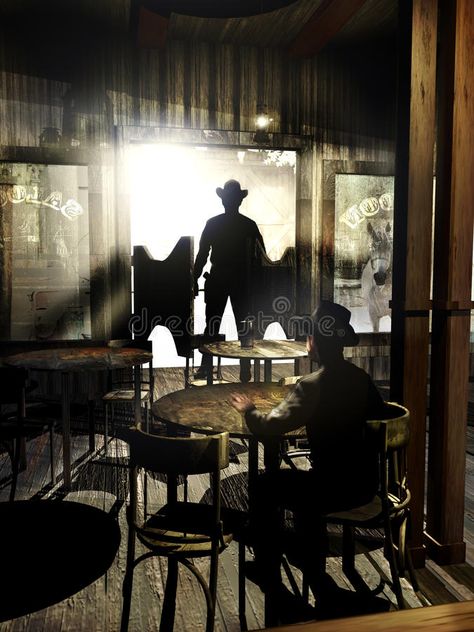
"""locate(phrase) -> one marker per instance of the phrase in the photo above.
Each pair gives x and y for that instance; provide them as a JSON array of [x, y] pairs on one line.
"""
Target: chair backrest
[[123, 378], [174, 456], [177, 455], [392, 427], [392, 434], [12, 386]]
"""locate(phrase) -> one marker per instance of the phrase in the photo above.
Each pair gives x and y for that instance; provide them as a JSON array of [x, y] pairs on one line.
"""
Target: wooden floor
[[98, 606]]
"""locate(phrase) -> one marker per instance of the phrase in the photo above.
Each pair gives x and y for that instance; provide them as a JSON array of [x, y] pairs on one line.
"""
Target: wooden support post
[[451, 284], [6, 221], [412, 239]]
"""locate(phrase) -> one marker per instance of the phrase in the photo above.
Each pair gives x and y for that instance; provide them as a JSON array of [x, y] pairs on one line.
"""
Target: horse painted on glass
[[376, 278]]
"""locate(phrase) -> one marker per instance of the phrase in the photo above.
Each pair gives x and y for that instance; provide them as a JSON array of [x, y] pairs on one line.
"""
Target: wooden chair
[[16, 426], [389, 509], [181, 531]]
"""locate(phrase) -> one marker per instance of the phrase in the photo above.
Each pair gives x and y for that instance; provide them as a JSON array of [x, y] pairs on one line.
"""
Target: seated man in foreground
[[333, 403]]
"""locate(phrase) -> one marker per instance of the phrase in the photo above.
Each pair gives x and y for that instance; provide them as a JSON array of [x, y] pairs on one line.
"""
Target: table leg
[[253, 471], [172, 480], [267, 370], [271, 454], [137, 389], [256, 370], [210, 375], [66, 418]]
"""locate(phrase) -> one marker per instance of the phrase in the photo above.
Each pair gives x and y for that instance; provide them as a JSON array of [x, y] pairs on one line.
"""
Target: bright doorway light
[[173, 194]]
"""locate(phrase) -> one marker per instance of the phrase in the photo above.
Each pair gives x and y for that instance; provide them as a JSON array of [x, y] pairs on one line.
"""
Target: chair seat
[[364, 513], [181, 529], [122, 395]]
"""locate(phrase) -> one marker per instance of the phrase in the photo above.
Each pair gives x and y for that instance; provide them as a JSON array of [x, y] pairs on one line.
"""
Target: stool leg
[[106, 429], [91, 424], [51, 455]]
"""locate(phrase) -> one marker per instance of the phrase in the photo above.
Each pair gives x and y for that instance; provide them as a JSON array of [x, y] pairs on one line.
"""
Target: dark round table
[[50, 551], [70, 359]]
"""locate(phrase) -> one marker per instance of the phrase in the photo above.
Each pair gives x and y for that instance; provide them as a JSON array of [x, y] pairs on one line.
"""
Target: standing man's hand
[[196, 288]]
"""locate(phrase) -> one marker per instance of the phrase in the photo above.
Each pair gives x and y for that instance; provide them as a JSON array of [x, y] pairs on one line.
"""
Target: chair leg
[[128, 581], [145, 493], [241, 573], [106, 430], [211, 613], [348, 549], [91, 424], [15, 463], [51, 455], [169, 603], [390, 553]]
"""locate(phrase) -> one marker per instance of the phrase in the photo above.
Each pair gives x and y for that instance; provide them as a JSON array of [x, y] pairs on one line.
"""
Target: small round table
[[70, 359], [266, 350], [207, 410]]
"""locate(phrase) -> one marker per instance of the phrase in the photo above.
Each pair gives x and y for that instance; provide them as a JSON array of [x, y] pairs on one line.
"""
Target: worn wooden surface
[[412, 235], [457, 617], [98, 606], [207, 408], [261, 350], [452, 270], [79, 359]]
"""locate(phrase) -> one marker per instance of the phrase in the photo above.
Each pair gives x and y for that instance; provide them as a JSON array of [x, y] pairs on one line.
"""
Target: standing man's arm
[[259, 239], [204, 248]]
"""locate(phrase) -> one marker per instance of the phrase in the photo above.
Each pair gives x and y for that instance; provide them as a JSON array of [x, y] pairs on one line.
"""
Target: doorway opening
[[173, 194]]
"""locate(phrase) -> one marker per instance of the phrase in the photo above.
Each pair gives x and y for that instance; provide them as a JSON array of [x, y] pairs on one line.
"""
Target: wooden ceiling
[[302, 28]]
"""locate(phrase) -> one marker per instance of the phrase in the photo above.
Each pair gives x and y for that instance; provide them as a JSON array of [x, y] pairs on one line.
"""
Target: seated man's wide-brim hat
[[231, 189], [331, 321]]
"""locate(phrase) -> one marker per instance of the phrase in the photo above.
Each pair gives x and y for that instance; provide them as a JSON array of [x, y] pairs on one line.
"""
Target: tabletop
[[207, 408], [452, 617], [261, 350], [79, 358]]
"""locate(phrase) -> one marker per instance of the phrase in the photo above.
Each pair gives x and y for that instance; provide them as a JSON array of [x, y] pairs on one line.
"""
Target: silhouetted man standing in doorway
[[232, 239]]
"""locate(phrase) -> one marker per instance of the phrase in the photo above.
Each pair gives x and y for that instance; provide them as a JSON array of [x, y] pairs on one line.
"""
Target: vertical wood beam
[[451, 284], [120, 250], [412, 238], [6, 236]]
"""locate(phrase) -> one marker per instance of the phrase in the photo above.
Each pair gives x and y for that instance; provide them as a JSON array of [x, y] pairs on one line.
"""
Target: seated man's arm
[[292, 413]]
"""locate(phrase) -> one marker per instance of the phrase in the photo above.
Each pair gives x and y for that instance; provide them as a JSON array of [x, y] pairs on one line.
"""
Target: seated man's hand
[[241, 402], [196, 288]]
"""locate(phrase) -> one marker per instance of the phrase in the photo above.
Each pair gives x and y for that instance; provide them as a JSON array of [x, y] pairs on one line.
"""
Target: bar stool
[[122, 391]]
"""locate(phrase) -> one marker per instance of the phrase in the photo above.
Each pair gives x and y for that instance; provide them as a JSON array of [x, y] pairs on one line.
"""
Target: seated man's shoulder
[[312, 379]]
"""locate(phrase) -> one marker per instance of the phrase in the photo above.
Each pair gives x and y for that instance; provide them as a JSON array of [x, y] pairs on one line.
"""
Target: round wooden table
[[266, 350], [70, 359], [207, 410]]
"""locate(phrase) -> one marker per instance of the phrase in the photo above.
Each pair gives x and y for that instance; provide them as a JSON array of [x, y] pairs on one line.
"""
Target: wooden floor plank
[[98, 606]]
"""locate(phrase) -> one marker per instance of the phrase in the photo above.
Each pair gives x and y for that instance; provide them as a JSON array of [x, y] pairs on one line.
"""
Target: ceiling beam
[[325, 23], [152, 29]]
